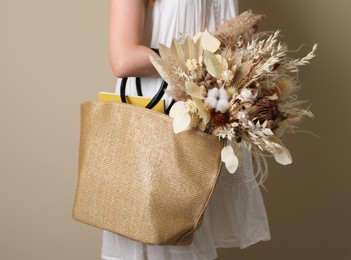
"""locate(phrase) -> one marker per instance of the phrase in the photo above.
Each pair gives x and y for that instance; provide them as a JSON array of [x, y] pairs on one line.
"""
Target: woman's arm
[[128, 57]]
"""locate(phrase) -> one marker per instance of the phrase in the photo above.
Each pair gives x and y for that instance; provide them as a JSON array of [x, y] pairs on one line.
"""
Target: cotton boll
[[212, 97], [223, 94], [213, 92], [222, 106], [211, 102]]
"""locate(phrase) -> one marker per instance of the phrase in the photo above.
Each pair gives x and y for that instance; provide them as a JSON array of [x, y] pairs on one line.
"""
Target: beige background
[[54, 55]]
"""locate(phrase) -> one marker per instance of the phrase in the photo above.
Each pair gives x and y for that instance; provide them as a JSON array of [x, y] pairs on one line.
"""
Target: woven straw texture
[[138, 179]]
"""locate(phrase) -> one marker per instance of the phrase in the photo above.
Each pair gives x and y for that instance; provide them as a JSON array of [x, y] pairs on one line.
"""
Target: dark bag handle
[[158, 96], [153, 101]]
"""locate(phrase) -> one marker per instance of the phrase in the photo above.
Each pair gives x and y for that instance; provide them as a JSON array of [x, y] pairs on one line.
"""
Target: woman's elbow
[[120, 68], [132, 62]]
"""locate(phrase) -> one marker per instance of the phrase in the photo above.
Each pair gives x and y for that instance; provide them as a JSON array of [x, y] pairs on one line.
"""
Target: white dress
[[235, 216]]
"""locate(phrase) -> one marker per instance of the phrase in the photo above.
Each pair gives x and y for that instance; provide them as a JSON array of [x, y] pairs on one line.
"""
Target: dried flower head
[[219, 119], [227, 75], [266, 110], [191, 64]]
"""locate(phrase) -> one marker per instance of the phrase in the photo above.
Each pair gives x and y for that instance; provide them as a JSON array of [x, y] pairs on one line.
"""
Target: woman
[[235, 216]]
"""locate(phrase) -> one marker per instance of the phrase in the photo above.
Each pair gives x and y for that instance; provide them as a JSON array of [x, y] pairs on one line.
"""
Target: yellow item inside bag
[[132, 100]]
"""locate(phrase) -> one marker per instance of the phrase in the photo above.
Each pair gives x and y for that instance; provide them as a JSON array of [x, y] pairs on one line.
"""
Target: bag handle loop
[[158, 96], [153, 101]]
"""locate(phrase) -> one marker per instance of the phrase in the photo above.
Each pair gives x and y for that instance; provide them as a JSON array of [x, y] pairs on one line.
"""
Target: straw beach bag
[[138, 179]]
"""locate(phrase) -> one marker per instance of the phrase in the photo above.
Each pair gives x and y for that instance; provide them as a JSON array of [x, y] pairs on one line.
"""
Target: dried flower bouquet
[[234, 84]]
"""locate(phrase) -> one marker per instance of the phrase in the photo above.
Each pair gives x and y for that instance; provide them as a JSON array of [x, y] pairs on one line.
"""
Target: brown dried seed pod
[[267, 109]]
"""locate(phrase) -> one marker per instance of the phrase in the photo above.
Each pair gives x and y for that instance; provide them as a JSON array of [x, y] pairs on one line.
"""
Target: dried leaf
[[189, 50], [177, 50], [267, 131], [222, 61], [242, 71], [273, 97], [198, 49], [264, 124], [157, 62], [203, 113], [238, 57], [197, 36], [283, 156], [229, 158], [213, 66], [193, 90], [252, 135], [181, 118], [164, 51], [209, 42]]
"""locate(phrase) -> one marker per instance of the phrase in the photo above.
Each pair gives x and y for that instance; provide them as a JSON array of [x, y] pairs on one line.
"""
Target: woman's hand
[[128, 57]]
